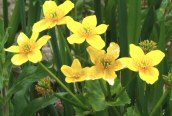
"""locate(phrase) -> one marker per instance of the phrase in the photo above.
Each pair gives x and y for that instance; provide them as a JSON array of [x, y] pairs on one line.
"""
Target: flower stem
[[60, 82], [159, 103]]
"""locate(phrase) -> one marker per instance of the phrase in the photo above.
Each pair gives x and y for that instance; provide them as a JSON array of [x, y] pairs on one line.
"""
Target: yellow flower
[[87, 31], [54, 15], [28, 49], [106, 63], [75, 73], [144, 63]]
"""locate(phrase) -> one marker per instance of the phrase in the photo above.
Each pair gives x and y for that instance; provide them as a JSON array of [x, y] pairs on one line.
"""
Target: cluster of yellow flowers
[[105, 63]]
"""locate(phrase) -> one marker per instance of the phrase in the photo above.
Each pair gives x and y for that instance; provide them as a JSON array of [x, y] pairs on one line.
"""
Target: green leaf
[[37, 104], [134, 20], [95, 95], [122, 99], [29, 75], [132, 111]]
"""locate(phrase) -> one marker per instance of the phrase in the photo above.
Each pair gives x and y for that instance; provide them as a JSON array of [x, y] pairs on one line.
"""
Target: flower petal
[[136, 52], [119, 64], [96, 41], [35, 56], [64, 20], [34, 36], [113, 49], [73, 79], [76, 64], [150, 75], [22, 38], [90, 21], [101, 29], [19, 59], [67, 71], [74, 26], [94, 53], [43, 25], [14, 49], [156, 56], [66, 7], [129, 63], [110, 76], [74, 38], [49, 7], [42, 41]]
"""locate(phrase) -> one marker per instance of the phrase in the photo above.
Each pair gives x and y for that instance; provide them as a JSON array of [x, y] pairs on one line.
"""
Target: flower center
[[106, 63], [87, 31], [144, 64], [27, 48], [53, 15]]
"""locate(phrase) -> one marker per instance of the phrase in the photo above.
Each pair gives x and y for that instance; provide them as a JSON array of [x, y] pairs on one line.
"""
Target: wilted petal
[[42, 41], [19, 59], [101, 29], [96, 41], [14, 49], [94, 53], [22, 38], [113, 49], [136, 52], [90, 21], [35, 56], [150, 75], [74, 38], [156, 56]]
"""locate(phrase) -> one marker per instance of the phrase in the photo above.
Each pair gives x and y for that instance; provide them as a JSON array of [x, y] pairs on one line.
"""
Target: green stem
[[124, 88], [58, 81], [159, 103]]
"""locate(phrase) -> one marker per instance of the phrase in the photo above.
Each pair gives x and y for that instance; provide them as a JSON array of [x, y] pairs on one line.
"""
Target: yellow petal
[[129, 62], [76, 64], [94, 53], [150, 75], [73, 79], [110, 76], [42, 41], [35, 56], [19, 59], [113, 49], [14, 49], [92, 73], [67, 71], [49, 7], [74, 26], [66, 7], [64, 20], [34, 36], [119, 64], [22, 38], [136, 52], [90, 21], [74, 38], [43, 25], [156, 56], [101, 29], [96, 41]]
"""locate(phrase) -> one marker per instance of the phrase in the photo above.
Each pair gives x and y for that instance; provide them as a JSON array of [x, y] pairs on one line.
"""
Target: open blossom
[[105, 63], [144, 63], [75, 73], [54, 15], [87, 31], [28, 49]]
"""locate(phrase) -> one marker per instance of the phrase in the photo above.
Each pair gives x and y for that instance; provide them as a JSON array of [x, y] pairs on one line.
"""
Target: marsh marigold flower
[[87, 31], [54, 15], [144, 63], [105, 63], [28, 49], [75, 73]]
